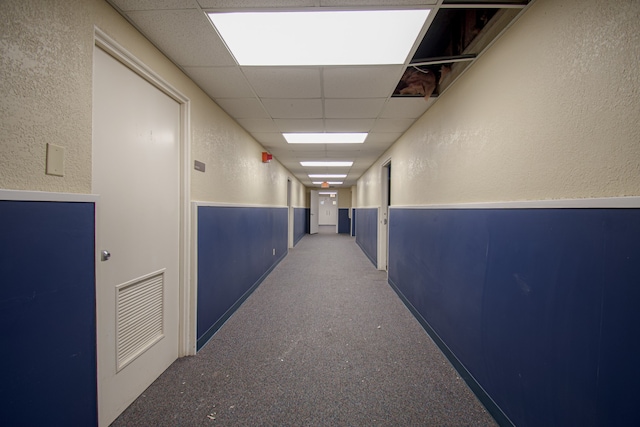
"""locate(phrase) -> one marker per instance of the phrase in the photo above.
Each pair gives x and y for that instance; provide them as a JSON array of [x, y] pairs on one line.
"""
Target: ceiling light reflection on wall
[[327, 164], [325, 138], [364, 37]]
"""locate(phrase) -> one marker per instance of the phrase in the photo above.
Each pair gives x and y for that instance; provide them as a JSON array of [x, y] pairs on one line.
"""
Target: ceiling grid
[[268, 101]]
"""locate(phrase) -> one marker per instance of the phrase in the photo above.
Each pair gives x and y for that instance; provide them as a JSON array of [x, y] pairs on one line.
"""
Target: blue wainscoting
[[367, 232], [538, 306], [235, 254], [47, 314], [344, 224], [300, 224]]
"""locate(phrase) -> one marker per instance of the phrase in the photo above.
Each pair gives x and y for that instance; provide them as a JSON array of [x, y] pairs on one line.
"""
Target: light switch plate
[[55, 160], [199, 166]]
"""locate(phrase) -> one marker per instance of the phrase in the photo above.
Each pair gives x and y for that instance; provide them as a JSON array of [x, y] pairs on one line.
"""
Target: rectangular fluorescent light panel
[[328, 164], [328, 182], [315, 175], [364, 37], [327, 192], [325, 138]]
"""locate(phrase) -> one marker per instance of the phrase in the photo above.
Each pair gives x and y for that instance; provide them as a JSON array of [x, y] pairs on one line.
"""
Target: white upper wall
[[46, 51], [550, 111]]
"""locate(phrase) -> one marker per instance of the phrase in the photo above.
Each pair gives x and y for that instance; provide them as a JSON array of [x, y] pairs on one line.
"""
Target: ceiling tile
[[380, 139], [284, 82], [220, 82], [299, 171], [335, 3], [300, 125], [406, 108], [128, 5], [348, 125], [346, 148], [270, 138], [369, 108], [293, 108], [339, 155], [310, 153], [186, 36], [258, 125], [243, 108], [308, 147], [392, 125], [361, 82], [241, 4]]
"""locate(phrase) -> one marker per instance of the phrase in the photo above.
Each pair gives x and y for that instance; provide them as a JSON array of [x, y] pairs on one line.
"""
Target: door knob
[[105, 255]]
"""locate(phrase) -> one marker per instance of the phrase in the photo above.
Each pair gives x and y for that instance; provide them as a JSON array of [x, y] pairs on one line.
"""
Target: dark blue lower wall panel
[[540, 306], [235, 253], [367, 232], [47, 314], [353, 222], [299, 224], [344, 224]]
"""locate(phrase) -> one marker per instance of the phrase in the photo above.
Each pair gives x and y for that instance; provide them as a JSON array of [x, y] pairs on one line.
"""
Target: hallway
[[324, 340]]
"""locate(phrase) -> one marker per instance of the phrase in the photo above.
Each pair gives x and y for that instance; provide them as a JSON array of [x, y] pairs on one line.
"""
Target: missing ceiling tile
[[455, 38], [417, 82]]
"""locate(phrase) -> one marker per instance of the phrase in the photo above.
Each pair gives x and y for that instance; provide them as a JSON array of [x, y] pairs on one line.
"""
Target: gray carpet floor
[[323, 341]]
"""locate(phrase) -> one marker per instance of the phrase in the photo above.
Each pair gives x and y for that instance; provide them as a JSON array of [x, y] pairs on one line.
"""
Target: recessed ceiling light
[[365, 37], [315, 175], [329, 164], [329, 182], [325, 138]]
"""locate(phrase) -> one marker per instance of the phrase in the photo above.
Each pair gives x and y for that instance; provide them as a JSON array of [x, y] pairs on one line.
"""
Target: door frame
[[187, 290], [313, 211], [337, 211], [290, 213], [383, 215]]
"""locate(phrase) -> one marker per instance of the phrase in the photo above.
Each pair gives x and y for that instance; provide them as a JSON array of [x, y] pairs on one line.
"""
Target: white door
[[328, 211], [136, 173], [313, 225]]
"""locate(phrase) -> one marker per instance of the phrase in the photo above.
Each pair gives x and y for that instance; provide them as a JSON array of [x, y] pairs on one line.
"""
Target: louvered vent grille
[[139, 316]]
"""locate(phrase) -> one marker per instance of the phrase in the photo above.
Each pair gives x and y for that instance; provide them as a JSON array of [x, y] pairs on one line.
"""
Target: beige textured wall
[[551, 111], [344, 198], [45, 61], [46, 50], [354, 196], [299, 193], [370, 185]]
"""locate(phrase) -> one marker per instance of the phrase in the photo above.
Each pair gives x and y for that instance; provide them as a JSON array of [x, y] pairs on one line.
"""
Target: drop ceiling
[[269, 101]]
